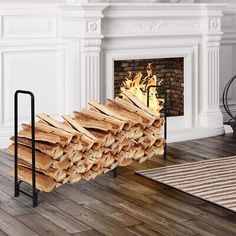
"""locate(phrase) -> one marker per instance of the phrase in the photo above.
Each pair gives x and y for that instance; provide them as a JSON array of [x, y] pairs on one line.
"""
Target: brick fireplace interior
[[169, 70]]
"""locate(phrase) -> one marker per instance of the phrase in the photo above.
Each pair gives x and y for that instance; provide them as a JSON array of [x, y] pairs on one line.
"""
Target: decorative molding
[[28, 26], [214, 24], [155, 25], [123, 10], [92, 26]]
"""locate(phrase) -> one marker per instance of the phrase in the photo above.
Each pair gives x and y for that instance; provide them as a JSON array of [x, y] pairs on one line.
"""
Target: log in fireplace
[[136, 75]]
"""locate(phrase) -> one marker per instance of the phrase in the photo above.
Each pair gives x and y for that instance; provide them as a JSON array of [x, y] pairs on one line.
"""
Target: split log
[[39, 136], [55, 174], [147, 141], [62, 140], [139, 152], [117, 125], [73, 147], [56, 123], [50, 129], [43, 182], [42, 161], [99, 107], [87, 176], [89, 121], [72, 171], [74, 179], [75, 124], [116, 108], [52, 150], [104, 137], [135, 132], [77, 156], [139, 104], [88, 143], [126, 162], [157, 132], [62, 165], [61, 176], [147, 118]]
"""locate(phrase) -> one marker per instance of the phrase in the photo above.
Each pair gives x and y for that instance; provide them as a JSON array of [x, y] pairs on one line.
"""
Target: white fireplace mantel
[[65, 54], [108, 32]]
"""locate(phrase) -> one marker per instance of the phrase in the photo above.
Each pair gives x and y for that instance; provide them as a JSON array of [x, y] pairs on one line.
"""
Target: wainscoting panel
[[40, 71], [39, 26]]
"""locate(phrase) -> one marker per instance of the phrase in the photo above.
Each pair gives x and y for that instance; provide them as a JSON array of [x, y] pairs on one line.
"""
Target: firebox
[[136, 75]]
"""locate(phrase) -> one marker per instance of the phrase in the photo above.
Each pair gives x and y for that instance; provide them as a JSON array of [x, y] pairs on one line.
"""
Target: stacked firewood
[[89, 143]]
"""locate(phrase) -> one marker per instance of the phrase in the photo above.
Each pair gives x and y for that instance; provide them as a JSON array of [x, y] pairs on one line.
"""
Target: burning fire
[[138, 85]]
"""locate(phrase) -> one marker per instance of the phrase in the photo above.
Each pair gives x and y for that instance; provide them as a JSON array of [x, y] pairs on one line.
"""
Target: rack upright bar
[[34, 195], [165, 111]]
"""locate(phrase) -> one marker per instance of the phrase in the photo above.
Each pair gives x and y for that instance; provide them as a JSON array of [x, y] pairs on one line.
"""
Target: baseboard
[[193, 133]]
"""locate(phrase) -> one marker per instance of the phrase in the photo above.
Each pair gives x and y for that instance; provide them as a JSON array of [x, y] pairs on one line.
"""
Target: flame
[[138, 85]]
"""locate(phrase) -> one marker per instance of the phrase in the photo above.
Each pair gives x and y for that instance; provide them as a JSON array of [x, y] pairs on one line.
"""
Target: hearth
[[136, 75]]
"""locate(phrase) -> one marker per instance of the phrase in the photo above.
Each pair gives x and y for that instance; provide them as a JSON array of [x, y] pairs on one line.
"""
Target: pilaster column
[[82, 23], [210, 113]]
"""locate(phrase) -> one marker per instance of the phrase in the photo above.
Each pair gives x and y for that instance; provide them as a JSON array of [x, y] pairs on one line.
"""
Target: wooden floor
[[127, 205]]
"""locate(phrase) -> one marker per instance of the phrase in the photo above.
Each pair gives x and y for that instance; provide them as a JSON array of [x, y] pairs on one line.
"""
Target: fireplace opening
[[136, 75]]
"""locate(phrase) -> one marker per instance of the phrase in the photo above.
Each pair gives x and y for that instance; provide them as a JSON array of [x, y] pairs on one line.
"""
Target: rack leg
[[35, 200], [17, 189], [114, 173], [165, 152]]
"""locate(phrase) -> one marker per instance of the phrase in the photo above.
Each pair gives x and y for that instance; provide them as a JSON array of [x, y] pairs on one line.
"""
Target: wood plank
[[61, 219], [41, 225], [12, 227], [135, 211], [145, 230], [2, 233], [112, 213], [90, 218], [68, 192], [134, 185], [126, 193], [11, 206], [194, 224], [88, 233]]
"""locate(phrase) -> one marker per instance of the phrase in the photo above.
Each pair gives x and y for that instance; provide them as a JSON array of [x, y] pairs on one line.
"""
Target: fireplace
[[136, 75], [106, 37]]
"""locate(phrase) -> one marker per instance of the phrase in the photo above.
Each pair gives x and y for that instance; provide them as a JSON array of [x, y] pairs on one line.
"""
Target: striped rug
[[212, 180]]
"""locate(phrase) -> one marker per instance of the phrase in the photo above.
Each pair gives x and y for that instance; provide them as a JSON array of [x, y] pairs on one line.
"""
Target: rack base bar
[[27, 194]]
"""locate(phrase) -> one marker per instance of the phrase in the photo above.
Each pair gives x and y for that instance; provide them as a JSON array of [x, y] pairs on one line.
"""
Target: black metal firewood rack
[[35, 191]]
